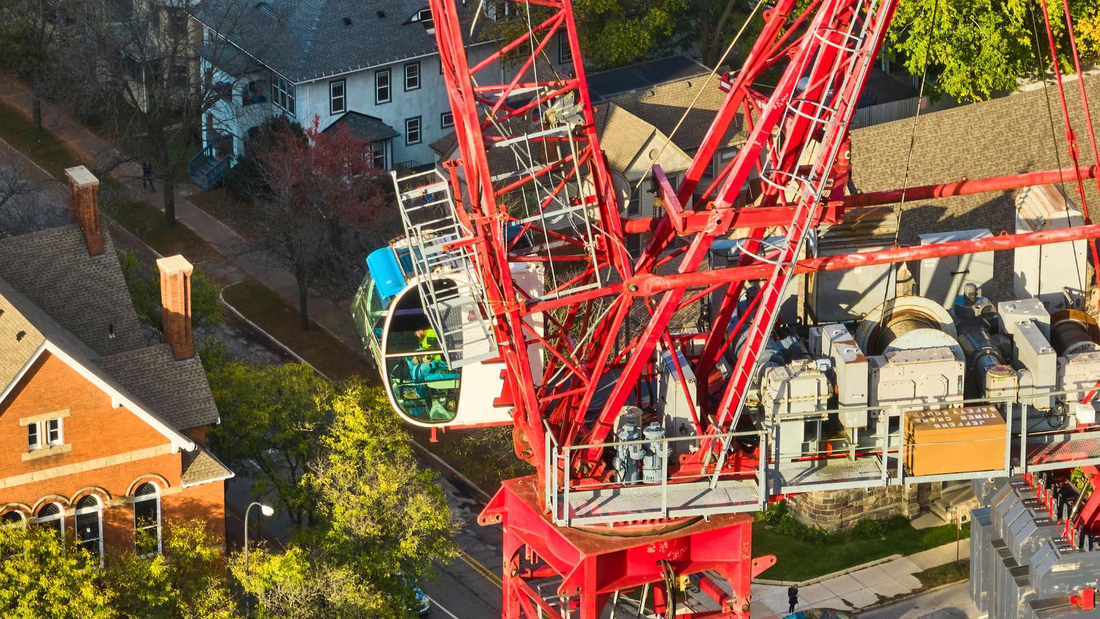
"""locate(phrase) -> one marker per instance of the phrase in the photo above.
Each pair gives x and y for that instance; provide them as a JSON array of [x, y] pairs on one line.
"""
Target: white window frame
[[565, 53], [377, 151], [378, 86], [32, 428], [50, 441], [282, 94], [414, 76], [155, 496], [419, 131], [447, 120], [42, 431], [332, 96], [59, 517], [98, 511]]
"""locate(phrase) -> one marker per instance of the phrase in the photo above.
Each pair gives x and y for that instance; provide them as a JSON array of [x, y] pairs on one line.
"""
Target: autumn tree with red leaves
[[316, 190]]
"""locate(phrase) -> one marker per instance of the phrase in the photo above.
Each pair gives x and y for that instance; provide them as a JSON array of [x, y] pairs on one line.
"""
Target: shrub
[[783, 523], [869, 528]]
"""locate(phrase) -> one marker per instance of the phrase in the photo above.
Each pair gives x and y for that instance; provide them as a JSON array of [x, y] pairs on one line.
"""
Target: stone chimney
[[84, 201], [175, 299]]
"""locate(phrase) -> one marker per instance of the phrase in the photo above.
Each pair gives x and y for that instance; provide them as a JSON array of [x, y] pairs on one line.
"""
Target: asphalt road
[[948, 603]]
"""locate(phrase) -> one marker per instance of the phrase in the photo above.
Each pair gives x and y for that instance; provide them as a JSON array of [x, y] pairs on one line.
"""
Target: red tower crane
[[532, 189]]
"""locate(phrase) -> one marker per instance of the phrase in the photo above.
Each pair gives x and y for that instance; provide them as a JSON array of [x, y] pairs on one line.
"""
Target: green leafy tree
[[273, 417], [381, 523], [385, 514], [187, 580], [42, 577], [618, 32], [984, 46]]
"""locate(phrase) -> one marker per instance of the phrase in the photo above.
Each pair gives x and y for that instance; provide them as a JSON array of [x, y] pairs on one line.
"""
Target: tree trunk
[[303, 299], [168, 190], [36, 110]]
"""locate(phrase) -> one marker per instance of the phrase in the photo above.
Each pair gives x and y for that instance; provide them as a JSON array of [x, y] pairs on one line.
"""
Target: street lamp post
[[268, 511]]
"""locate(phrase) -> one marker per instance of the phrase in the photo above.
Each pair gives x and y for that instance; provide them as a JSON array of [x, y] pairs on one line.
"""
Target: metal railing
[[876, 458], [448, 277]]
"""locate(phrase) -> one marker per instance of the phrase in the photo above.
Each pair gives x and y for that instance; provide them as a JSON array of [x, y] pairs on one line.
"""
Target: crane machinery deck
[[513, 299]]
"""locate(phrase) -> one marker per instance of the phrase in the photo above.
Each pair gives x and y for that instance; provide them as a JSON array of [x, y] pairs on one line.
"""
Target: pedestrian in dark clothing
[[792, 597], [147, 176]]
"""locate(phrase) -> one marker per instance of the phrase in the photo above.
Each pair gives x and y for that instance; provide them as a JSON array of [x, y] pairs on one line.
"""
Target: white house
[[372, 65]]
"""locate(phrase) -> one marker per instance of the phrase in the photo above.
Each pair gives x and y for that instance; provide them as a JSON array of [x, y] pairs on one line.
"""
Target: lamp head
[[267, 510]]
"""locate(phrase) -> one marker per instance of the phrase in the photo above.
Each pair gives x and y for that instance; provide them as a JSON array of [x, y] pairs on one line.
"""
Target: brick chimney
[[84, 201], [175, 298]]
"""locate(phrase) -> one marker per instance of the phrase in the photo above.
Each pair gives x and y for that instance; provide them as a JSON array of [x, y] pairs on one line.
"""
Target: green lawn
[[264, 307], [799, 561], [141, 219], [41, 146]]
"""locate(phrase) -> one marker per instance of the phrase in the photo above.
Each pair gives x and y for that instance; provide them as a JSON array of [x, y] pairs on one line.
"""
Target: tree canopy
[[984, 46]]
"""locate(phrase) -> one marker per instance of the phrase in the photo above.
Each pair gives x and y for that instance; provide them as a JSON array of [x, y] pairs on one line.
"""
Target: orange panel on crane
[[954, 440]]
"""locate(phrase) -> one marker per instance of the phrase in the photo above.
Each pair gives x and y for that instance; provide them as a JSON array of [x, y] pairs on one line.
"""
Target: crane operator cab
[[421, 385]]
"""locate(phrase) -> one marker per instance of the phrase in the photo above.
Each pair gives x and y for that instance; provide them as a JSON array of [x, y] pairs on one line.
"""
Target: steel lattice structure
[[533, 186]]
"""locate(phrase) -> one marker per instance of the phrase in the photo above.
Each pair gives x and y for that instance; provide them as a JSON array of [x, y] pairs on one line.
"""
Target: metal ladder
[[453, 297], [835, 121]]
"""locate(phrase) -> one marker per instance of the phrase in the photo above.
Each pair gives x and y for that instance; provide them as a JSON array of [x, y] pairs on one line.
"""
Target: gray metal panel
[[981, 556], [833, 474], [644, 502], [941, 279]]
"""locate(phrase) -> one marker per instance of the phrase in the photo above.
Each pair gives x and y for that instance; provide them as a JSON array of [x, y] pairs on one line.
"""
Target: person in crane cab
[[427, 338]]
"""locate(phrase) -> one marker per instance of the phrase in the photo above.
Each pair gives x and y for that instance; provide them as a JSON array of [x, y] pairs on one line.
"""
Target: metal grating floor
[[1075, 449], [827, 474], [644, 502]]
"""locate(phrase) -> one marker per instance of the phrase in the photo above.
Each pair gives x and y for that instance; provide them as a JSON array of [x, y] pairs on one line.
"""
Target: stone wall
[[839, 510]]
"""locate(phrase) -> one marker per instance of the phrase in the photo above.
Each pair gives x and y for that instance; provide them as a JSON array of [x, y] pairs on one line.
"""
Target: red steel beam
[[752, 217], [652, 284]]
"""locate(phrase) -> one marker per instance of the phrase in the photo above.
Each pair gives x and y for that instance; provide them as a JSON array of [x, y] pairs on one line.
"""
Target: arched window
[[147, 519], [52, 516], [89, 526], [14, 518]]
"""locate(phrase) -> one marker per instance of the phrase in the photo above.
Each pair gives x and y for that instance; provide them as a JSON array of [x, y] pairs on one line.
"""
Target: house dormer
[[424, 18]]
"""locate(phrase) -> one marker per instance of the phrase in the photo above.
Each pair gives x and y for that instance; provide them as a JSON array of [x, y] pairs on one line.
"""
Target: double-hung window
[[446, 120], [412, 131], [412, 76], [44, 434], [378, 154], [282, 93], [89, 526], [382, 93], [337, 97], [147, 520]]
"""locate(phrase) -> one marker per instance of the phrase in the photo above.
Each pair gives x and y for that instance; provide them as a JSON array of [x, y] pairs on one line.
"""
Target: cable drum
[[1073, 331]]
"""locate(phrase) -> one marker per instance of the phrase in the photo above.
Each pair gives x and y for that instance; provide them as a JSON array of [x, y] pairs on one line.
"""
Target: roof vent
[[111, 331], [19, 336], [381, 14], [347, 21]]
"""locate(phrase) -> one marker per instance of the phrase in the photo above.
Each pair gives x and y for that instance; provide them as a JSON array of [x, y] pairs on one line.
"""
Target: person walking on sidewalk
[[147, 176], [792, 597]]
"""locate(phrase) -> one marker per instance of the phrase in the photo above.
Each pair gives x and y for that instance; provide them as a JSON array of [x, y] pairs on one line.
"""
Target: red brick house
[[101, 432]]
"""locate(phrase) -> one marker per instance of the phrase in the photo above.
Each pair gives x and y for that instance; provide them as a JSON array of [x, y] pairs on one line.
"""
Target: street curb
[[905, 596], [817, 579], [257, 327]]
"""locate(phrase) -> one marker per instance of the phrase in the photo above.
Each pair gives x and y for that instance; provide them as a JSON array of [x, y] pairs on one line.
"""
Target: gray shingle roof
[[48, 329], [663, 105], [77, 301], [85, 294], [364, 127], [1009, 135], [201, 466], [176, 389], [309, 39]]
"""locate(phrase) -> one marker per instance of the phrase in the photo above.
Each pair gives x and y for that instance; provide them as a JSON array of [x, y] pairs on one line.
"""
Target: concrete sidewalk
[[239, 258], [858, 589]]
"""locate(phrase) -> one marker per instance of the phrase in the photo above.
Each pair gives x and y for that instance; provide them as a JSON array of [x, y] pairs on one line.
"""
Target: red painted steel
[[607, 313]]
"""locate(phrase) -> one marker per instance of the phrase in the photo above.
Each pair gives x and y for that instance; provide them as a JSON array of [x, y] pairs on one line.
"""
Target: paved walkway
[[239, 257], [857, 589]]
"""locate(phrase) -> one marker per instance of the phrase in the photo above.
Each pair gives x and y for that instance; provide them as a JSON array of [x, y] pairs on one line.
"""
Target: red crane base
[[581, 570]]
